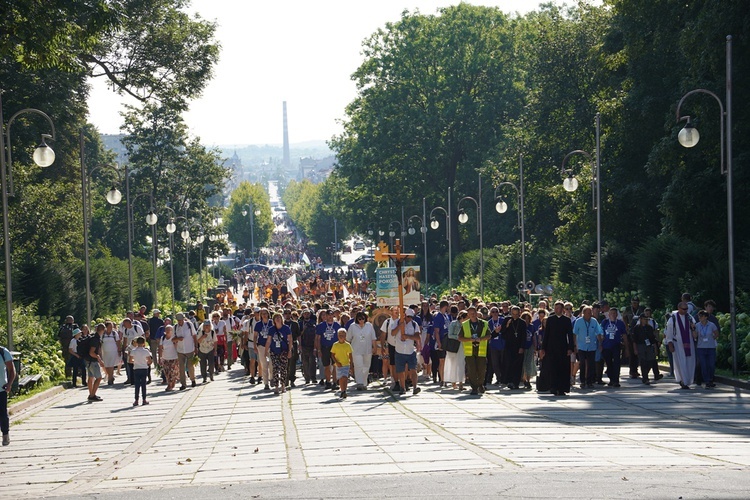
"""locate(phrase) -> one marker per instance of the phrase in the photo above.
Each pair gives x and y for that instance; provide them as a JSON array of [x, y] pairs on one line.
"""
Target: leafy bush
[[35, 337], [724, 347]]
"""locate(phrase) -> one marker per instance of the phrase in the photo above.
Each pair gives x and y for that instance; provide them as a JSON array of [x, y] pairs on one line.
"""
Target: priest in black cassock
[[557, 346]]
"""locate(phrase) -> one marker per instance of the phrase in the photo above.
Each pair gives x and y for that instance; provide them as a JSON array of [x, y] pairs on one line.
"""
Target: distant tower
[[286, 162]]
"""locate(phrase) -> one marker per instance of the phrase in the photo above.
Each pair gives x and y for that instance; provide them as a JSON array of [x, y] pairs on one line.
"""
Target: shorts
[[326, 355], [251, 354], [93, 370], [392, 354], [342, 371], [404, 360]]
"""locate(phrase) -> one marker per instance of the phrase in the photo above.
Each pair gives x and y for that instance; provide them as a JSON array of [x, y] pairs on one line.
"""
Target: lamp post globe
[[151, 218], [244, 213], [501, 207], [463, 217], [688, 136], [412, 231], [434, 224], [570, 184], [114, 196], [171, 227], [44, 156], [185, 234]]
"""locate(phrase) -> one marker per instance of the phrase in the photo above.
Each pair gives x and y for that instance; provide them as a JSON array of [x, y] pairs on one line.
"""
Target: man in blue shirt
[[440, 323], [587, 332], [325, 337], [497, 346], [614, 331], [7, 374]]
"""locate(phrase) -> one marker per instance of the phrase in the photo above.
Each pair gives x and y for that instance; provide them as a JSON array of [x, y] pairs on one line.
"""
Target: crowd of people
[[315, 334]]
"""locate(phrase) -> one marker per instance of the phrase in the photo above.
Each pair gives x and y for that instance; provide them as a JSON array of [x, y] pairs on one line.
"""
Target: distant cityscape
[[311, 160]]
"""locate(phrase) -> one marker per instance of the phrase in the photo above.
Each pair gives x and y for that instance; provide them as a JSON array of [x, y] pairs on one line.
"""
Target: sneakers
[[401, 391], [192, 384], [327, 384], [6, 439], [94, 398], [658, 377], [182, 387], [266, 388], [343, 395], [416, 391], [252, 380]]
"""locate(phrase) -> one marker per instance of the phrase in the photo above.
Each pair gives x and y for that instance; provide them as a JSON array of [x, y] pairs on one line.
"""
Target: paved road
[[228, 435]]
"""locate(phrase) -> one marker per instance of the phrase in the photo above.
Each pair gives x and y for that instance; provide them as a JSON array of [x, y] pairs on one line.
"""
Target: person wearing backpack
[[307, 346], [64, 335], [90, 349]]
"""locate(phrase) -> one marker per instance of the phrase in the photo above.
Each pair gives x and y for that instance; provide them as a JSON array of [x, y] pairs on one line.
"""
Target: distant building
[[113, 142], [316, 169]]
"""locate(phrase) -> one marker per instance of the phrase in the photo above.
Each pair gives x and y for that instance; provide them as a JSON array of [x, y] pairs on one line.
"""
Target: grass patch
[[17, 398], [744, 376]]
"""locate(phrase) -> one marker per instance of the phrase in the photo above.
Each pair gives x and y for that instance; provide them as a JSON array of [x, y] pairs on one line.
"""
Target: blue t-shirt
[[263, 330], [613, 332], [6, 356], [328, 333], [586, 333], [529, 336], [496, 342], [279, 339], [441, 321]]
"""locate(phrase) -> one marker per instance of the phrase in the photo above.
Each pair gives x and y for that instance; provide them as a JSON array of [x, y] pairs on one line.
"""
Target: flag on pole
[[291, 284], [306, 259]]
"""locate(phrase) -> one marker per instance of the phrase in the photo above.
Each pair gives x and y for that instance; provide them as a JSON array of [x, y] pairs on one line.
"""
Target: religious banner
[[387, 286]]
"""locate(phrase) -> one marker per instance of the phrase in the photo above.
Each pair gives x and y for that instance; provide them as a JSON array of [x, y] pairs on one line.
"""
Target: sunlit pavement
[[227, 432]]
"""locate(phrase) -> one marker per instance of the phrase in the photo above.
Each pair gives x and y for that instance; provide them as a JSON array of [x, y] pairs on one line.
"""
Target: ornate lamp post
[[463, 218], [689, 137], [434, 224], [151, 220], [247, 209], [114, 196], [570, 183], [423, 229], [501, 206], [44, 157]]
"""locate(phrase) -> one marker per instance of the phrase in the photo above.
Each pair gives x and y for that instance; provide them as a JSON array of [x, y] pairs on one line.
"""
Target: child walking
[[140, 357], [341, 353]]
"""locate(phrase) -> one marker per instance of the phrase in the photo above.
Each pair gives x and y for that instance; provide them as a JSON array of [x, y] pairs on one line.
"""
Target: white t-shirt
[[248, 325], [134, 325], [221, 328], [406, 346], [361, 338], [388, 326], [169, 350], [206, 341], [140, 357], [185, 332], [73, 345], [130, 334]]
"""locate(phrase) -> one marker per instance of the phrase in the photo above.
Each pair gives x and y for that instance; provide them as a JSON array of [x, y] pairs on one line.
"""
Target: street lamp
[[199, 241], [422, 229], [44, 157], [247, 209], [689, 137], [151, 219], [434, 224], [171, 228], [570, 184], [114, 196], [463, 218], [501, 207]]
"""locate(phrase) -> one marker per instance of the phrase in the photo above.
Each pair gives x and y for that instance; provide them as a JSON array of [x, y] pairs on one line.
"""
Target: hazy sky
[[302, 52]]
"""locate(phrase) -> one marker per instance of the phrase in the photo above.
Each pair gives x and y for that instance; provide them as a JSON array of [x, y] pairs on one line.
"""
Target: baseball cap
[[76, 331], [410, 312], [156, 311], [179, 316]]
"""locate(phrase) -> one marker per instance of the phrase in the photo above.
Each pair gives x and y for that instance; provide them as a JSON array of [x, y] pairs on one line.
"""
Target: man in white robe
[[679, 339]]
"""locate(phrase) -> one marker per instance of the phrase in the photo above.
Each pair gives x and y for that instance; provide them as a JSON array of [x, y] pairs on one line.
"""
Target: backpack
[[84, 346], [308, 334]]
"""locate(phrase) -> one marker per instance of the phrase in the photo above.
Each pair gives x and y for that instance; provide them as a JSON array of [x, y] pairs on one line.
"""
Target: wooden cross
[[399, 259]]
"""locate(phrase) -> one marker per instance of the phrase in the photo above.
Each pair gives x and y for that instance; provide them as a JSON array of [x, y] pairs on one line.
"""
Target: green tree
[[251, 199]]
